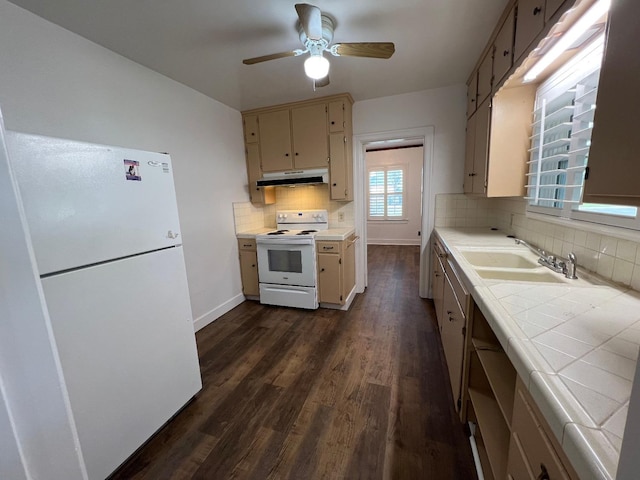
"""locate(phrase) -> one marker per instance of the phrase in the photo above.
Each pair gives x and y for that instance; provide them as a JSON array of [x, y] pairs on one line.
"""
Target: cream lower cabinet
[[336, 270], [513, 439], [249, 267], [451, 302]]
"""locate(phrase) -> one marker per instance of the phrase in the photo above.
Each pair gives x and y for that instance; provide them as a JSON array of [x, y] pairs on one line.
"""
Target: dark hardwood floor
[[327, 394]]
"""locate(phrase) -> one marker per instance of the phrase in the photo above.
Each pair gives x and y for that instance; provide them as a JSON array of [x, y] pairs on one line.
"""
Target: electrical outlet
[[341, 216]]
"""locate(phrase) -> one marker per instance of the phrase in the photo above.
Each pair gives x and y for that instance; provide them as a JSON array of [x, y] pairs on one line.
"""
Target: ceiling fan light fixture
[[316, 67]]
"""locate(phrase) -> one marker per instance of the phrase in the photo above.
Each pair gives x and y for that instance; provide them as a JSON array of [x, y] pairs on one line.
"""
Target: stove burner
[[306, 232], [278, 232]]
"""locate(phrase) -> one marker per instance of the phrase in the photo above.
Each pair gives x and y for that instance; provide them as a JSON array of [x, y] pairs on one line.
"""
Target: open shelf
[[495, 434], [501, 375]]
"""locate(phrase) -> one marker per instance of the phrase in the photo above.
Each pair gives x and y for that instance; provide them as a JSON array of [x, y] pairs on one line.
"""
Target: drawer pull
[[327, 248], [247, 245], [544, 475]]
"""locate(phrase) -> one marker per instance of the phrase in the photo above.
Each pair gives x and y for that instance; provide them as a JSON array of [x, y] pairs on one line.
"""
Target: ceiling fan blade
[[311, 20], [323, 82], [364, 49], [266, 58]]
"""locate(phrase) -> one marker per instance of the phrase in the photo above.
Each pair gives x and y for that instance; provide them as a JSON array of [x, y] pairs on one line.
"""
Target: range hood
[[294, 177]]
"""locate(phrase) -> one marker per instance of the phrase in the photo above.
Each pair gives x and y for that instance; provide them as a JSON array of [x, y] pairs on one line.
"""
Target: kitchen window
[[387, 193], [561, 136]]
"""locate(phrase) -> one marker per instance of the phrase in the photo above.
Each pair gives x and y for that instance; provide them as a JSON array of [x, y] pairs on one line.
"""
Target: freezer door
[[125, 337], [88, 203]]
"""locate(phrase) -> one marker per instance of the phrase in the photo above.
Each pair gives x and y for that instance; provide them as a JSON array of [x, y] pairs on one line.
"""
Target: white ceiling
[[201, 43]]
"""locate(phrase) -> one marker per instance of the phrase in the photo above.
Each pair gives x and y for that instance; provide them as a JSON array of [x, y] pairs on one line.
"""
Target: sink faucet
[[567, 266]]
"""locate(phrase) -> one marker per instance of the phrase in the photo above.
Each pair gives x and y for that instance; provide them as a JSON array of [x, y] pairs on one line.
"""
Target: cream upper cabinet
[[503, 48], [485, 77], [310, 143], [340, 151], [614, 168], [337, 120], [275, 141], [303, 135], [472, 94], [477, 141], [250, 123], [529, 24]]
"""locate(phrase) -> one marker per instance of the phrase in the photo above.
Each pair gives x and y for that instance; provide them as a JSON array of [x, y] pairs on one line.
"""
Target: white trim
[[212, 315], [420, 134]]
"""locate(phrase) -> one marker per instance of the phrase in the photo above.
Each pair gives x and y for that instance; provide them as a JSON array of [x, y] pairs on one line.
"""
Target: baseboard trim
[[211, 316], [392, 241]]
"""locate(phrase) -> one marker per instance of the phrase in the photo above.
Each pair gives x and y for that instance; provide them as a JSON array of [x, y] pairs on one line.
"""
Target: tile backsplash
[[612, 253], [250, 217]]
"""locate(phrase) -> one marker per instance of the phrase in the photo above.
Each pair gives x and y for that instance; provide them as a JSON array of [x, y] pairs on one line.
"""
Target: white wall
[[401, 232], [442, 108], [53, 82]]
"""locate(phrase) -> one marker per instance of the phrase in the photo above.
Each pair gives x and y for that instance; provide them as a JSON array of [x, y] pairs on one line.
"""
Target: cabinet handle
[[473, 100], [253, 266], [333, 123], [286, 154], [335, 184], [253, 134], [327, 248], [505, 53], [436, 275], [322, 269], [537, 10], [442, 255], [296, 154], [472, 174], [544, 475], [246, 245]]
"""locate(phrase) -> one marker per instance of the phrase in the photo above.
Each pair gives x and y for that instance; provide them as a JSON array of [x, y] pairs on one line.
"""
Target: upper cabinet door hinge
[[344, 139], [586, 173]]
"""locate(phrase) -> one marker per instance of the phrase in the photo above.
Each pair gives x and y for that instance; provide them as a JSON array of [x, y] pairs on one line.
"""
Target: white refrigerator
[[104, 226]]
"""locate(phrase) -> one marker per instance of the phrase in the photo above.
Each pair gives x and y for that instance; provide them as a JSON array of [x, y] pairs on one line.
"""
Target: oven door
[[282, 263]]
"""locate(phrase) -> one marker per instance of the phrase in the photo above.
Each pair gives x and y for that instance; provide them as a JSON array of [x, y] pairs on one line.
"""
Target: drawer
[[246, 243], [327, 247], [536, 446]]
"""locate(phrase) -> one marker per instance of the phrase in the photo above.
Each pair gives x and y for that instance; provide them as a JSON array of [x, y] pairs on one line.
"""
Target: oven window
[[285, 261]]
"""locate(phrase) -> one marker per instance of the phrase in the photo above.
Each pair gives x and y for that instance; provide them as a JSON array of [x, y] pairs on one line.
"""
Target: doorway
[[410, 137]]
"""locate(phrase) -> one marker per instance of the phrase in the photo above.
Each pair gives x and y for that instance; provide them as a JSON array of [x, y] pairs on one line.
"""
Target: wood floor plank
[[327, 394]]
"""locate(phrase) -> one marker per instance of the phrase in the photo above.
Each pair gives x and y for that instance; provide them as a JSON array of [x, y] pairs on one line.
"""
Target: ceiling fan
[[316, 33]]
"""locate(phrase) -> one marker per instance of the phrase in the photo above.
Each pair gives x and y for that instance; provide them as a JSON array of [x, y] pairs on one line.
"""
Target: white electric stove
[[287, 259]]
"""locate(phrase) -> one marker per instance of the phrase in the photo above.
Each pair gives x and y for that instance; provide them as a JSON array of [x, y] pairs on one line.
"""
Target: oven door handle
[[285, 242]]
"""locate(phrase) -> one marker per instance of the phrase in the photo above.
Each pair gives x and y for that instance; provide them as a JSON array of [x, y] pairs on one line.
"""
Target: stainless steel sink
[[521, 275], [496, 259]]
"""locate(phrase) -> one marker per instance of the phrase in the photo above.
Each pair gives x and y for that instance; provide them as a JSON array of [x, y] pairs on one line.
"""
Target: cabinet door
[[529, 24], [551, 7], [503, 54], [472, 94], [253, 172], [338, 166], [438, 286], [329, 284], [453, 322], [517, 465], [249, 272], [613, 157], [336, 116], [481, 147], [349, 267], [468, 154], [310, 136], [485, 77], [275, 141], [250, 128]]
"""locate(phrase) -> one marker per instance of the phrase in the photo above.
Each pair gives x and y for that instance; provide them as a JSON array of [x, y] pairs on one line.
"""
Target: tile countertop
[[575, 345], [336, 234]]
